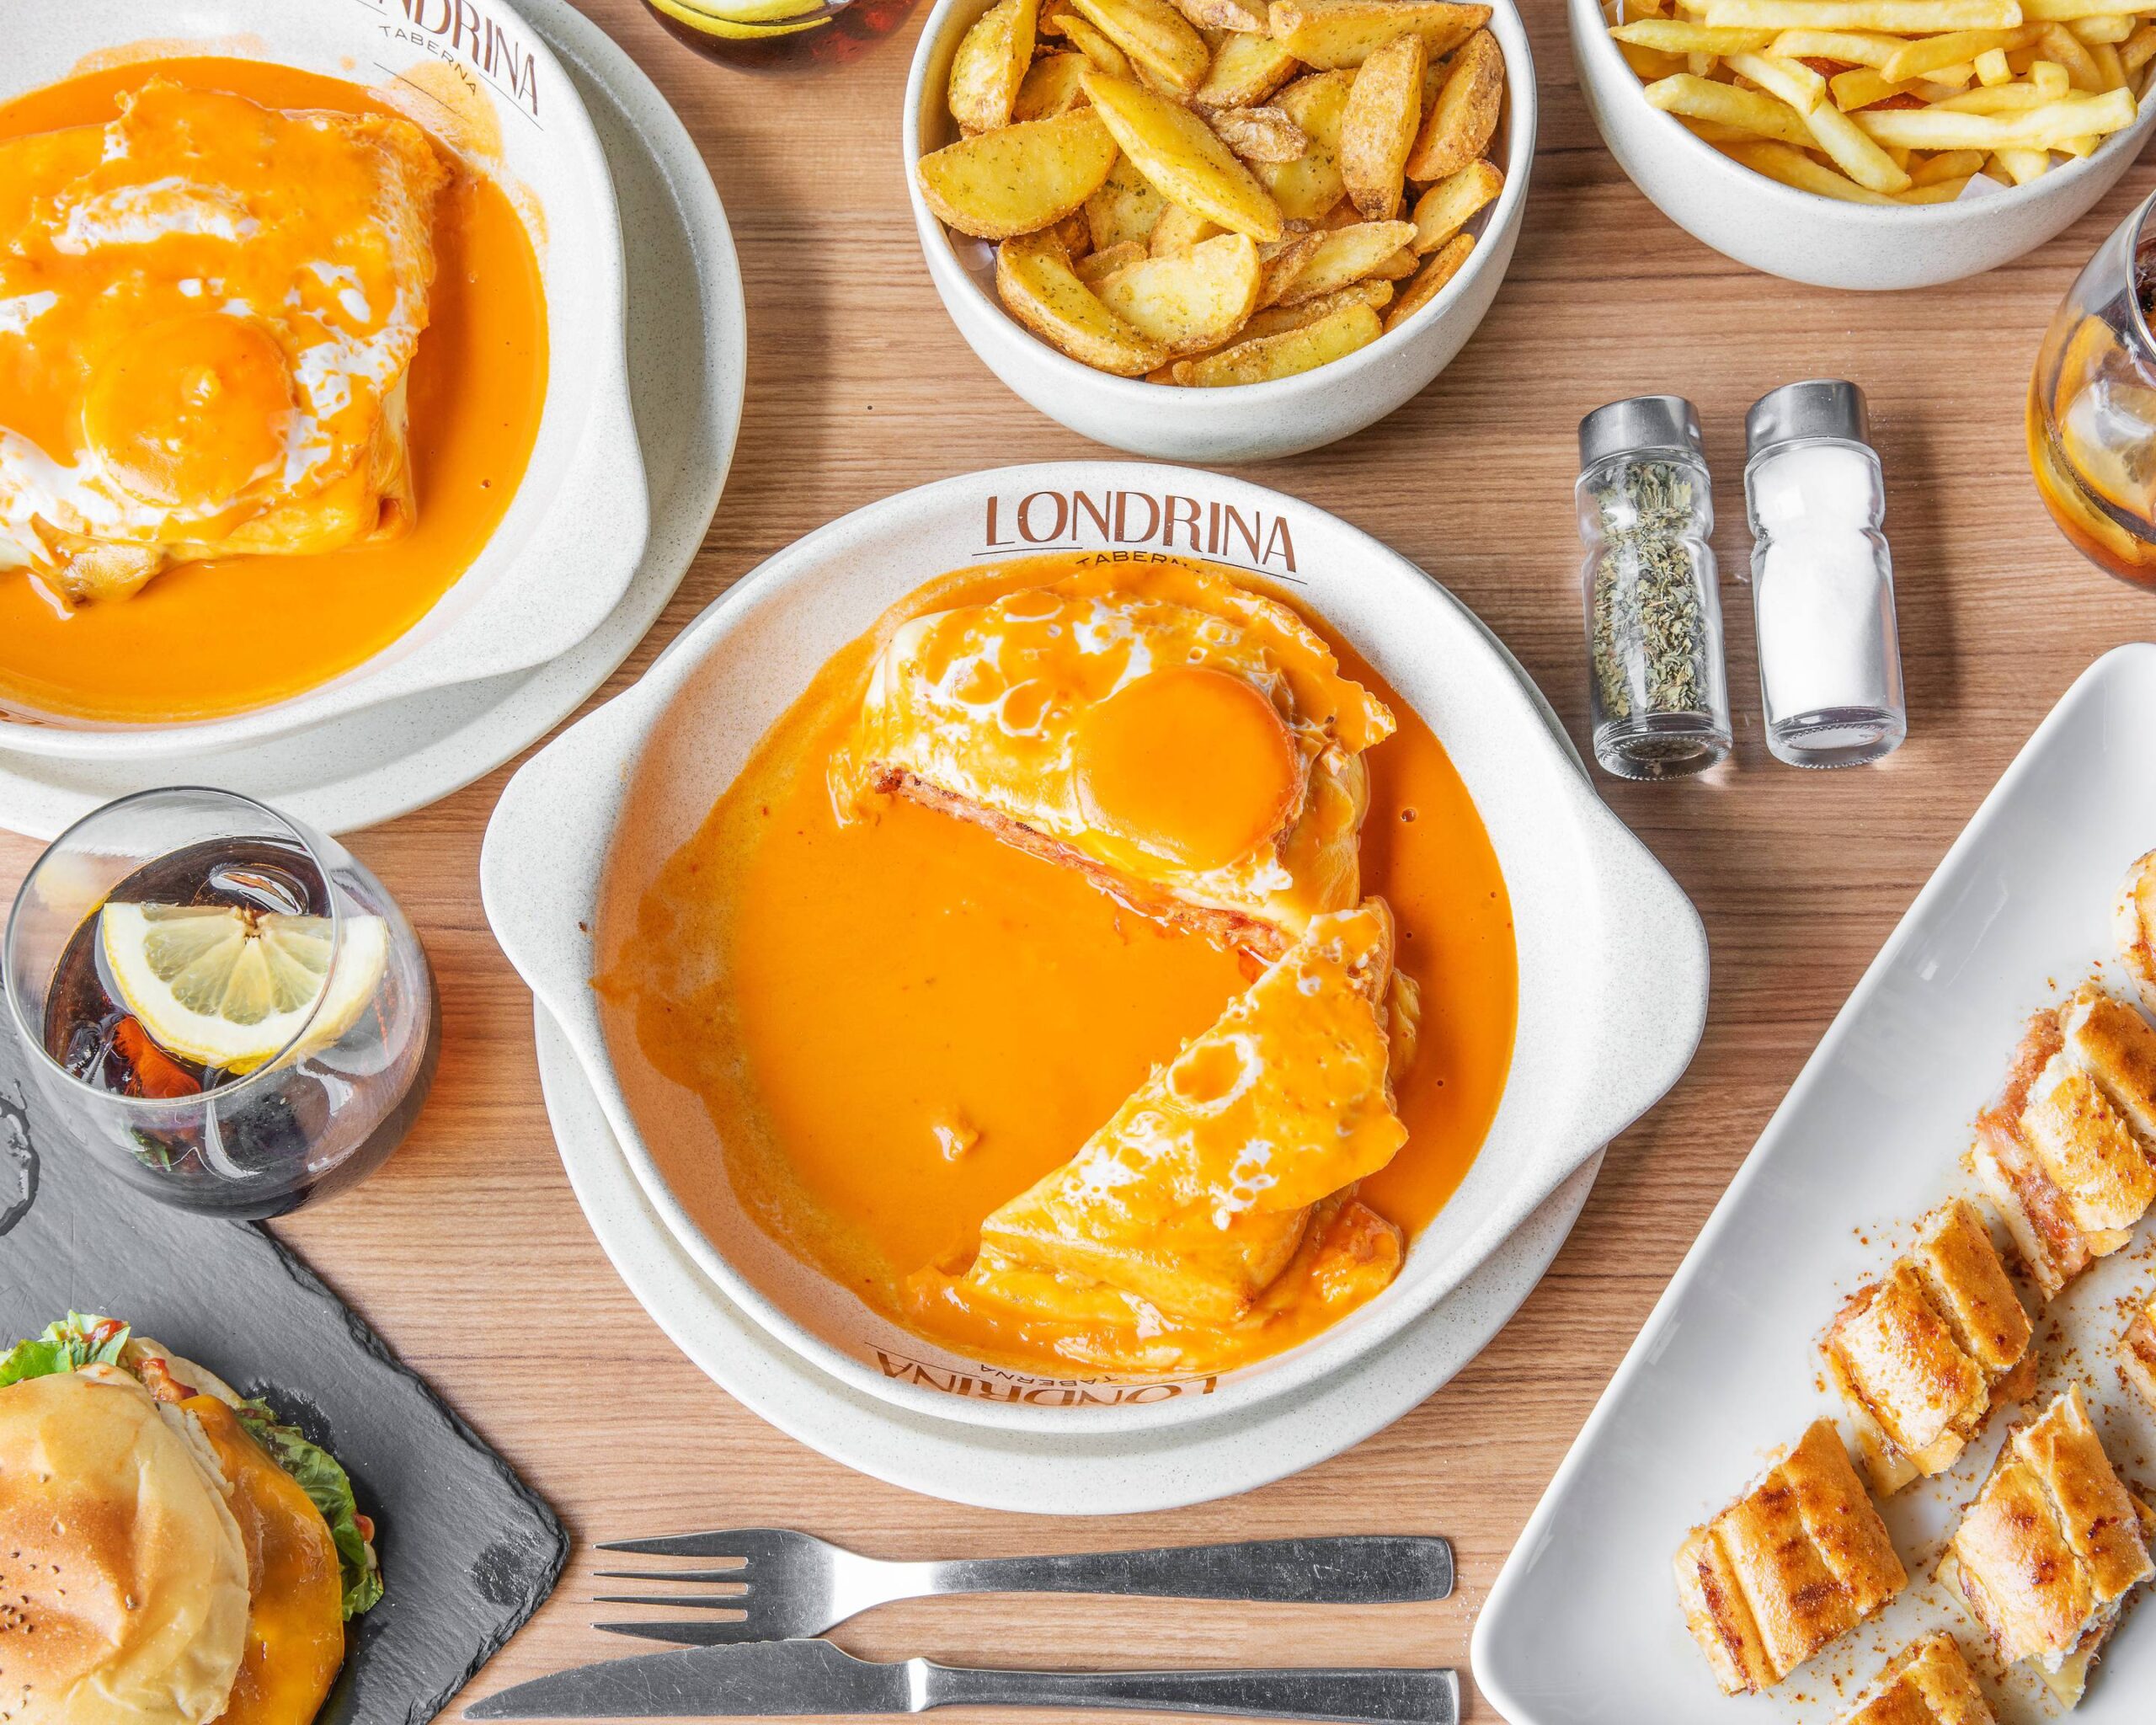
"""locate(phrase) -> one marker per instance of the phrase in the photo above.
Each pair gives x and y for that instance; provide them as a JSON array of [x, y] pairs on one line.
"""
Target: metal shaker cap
[[1821, 407], [1640, 422]]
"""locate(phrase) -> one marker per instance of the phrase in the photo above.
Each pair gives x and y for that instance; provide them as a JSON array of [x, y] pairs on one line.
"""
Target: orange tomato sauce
[[209, 639], [843, 999]]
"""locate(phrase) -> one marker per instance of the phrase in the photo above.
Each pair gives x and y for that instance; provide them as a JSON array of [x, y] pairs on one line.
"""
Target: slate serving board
[[468, 1550]]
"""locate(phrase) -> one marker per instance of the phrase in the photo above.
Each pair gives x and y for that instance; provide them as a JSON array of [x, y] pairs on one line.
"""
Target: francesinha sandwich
[[208, 311], [1193, 748], [169, 1553], [1222, 1190]]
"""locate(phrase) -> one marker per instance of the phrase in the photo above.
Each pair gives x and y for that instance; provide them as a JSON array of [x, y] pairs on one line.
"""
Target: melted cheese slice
[[1192, 747], [1227, 1165], [208, 309]]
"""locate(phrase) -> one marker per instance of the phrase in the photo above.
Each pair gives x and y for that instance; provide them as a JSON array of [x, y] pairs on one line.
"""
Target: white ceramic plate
[[570, 543], [1583, 1623], [686, 374], [1613, 963], [1068, 1473]]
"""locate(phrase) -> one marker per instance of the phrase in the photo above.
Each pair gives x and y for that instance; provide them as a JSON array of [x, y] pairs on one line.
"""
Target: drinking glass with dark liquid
[[780, 35], [2092, 406], [224, 1006]]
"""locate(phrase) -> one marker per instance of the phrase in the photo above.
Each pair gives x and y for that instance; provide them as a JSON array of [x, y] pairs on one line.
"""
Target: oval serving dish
[[570, 541], [1611, 957]]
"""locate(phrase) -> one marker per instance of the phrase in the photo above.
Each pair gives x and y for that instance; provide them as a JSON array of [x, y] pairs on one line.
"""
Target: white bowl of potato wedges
[[1869, 143], [1219, 230]]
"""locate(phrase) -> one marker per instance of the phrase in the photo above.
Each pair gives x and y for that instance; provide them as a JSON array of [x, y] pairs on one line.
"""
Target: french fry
[[1332, 34], [1176, 150], [1126, 207], [1464, 119], [1647, 63], [2139, 48], [1270, 357], [2108, 64], [1037, 286], [1999, 99], [1939, 191], [1857, 47], [1793, 167], [1347, 254], [1933, 53], [1861, 86], [2081, 71], [1191, 303], [1748, 111], [1307, 188], [1274, 320], [1430, 280], [2022, 165], [1021, 178], [1282, 262], [1855, 154], [1378, 127], [1453, 202], [2095, 31], [1153, 35], [1673, 36], [1259, 134], [1245, 70], [1099, 51], [1906, 18], [1992, 68], [1094, 266], [1947, 164], [1791, 80], [991, 64], [1178, 231], [2065, 11], [2033, 128], [1050, 87]]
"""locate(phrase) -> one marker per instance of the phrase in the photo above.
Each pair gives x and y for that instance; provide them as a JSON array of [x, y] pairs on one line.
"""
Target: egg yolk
[[188, 412], [1188, 764]]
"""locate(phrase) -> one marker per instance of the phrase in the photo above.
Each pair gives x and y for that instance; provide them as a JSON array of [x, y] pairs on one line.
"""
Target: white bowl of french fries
[[1869, 143], [1219, 230]]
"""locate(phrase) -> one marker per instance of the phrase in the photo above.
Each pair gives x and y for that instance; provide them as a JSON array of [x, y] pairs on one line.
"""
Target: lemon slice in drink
[[229, 987]]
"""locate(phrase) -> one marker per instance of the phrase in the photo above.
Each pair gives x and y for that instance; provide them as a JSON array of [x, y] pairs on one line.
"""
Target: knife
[[785, 1679]]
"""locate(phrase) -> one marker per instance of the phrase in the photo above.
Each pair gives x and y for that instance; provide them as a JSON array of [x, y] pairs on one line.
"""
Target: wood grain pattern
[[468, 1251]]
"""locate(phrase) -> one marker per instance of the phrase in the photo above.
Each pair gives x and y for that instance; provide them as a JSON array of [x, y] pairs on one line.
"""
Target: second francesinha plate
[[1094, 987], [313, 388]]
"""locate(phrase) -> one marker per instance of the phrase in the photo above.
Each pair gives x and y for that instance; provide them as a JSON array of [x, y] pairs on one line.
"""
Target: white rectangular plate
[[1583, 1623]]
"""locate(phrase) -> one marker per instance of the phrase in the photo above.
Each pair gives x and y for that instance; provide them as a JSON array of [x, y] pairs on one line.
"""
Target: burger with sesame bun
[[170, 1553]]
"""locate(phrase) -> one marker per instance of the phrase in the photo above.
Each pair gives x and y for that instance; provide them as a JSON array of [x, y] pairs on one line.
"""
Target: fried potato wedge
[[1155, 37], [1463, 118], [1079, 32], [1454, 202], [1345, 254], [1190, 302], [1384, 110], [1126, 207], [1310, 185], [1094, 266], [1302, 349], [1259, 134], [1331, 34], [1177, 152], [991, 64], [1037, 286], [1224, 14], [1273, 320], [1245, 70], [1021, 178], [1284, 260], [1178, 231], [1050, 87], [1430, 280]]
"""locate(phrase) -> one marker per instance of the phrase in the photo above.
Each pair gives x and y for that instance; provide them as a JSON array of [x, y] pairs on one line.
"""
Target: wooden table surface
[[468, 1251]]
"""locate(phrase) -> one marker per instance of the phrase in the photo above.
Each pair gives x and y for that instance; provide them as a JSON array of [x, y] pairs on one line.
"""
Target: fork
[[783, 1585]]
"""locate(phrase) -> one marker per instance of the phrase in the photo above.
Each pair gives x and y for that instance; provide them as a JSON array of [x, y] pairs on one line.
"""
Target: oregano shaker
[[1657, 692]]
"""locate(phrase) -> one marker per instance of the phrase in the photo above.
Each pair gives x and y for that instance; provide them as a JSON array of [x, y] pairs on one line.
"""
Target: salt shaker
[[1659, 698], [1823, 584]]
